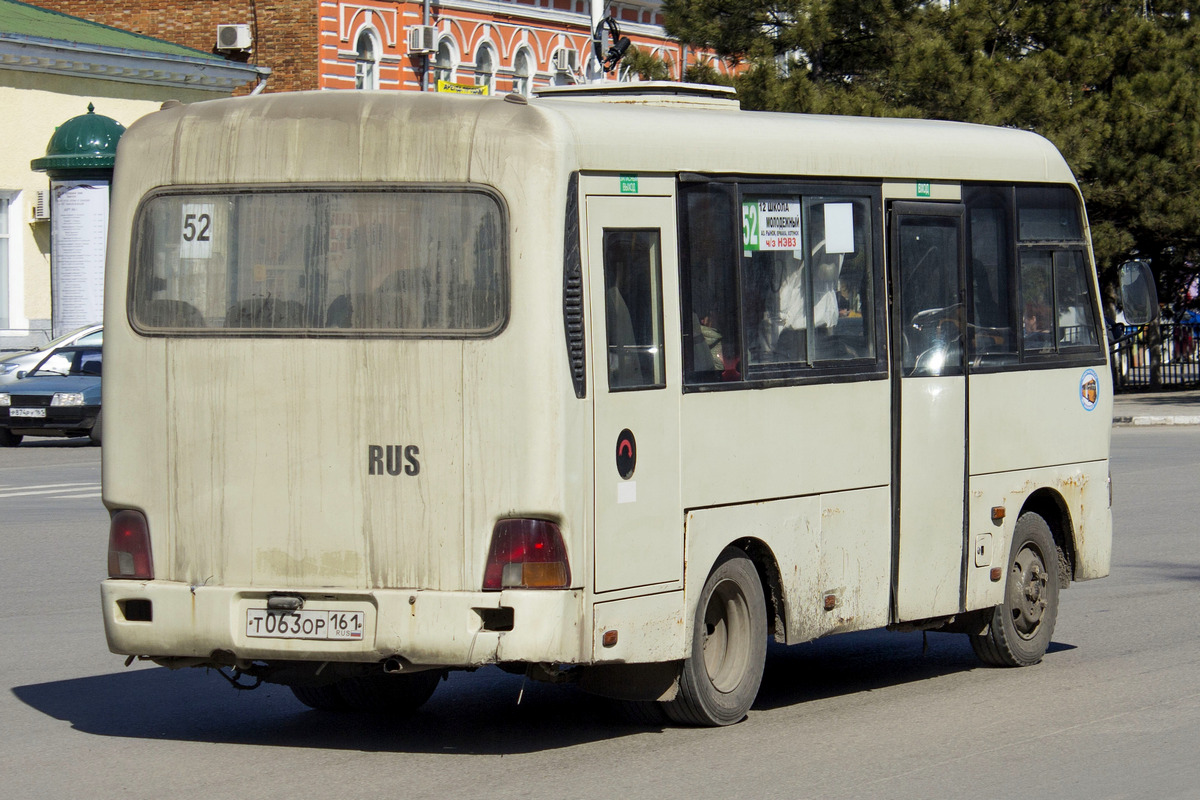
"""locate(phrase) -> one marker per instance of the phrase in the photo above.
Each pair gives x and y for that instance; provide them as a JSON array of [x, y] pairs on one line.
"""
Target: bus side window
[[838, 231], [991, 339], [1073, 307], [712, 346], [1037, 298], [1057, 303], [929, 308], [776, 283], [633, 309]]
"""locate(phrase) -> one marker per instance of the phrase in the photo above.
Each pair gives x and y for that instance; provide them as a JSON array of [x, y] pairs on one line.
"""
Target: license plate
[[305, 624], [27, 412]]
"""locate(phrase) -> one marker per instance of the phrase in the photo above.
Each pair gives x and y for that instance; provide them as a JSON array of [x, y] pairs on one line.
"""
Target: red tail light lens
[[527, 554], [129, 547]]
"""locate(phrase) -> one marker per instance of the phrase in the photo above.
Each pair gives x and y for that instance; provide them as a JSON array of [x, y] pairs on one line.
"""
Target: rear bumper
[[426, 628]]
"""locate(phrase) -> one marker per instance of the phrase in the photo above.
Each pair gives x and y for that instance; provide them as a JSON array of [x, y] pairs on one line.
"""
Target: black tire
[[322, 698], [9, 439], [96, 432], [720, 679], [1020, 630], [644, 713], [394, 695]]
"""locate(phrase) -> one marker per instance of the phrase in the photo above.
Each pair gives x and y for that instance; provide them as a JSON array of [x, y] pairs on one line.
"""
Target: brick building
[[507, 45]]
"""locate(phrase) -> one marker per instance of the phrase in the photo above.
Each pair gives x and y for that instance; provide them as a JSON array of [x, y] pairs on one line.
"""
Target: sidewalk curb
[[1146, 420]]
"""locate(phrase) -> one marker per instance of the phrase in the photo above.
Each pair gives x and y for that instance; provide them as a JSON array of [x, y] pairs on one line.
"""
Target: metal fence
[[1162, 355]]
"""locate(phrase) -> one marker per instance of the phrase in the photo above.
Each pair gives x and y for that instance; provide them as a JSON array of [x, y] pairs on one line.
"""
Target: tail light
[[527, 554], [129, 547]]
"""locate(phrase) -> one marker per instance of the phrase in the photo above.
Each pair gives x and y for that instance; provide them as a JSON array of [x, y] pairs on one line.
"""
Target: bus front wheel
[[720, 679], [1021, 628]]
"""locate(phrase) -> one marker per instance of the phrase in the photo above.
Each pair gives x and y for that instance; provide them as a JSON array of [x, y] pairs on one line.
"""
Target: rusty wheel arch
[[768, 573], [1050, 506]]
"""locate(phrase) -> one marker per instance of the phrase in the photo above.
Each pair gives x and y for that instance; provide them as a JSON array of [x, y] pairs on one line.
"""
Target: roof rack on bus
[[649, 93]]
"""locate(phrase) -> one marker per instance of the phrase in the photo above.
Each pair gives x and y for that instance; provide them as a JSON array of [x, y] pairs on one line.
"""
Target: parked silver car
[[26, 360]]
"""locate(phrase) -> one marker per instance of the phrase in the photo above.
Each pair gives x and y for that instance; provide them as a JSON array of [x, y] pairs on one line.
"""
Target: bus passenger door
[[634, 309], [929, 408]]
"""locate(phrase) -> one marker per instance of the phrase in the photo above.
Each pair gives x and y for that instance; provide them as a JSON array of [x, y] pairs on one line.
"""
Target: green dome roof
[[84, 143]]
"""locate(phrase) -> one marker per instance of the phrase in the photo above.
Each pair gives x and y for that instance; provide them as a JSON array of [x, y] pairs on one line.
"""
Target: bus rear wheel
[[396, 695], [322, 698], [720, 679], [1021, 628]]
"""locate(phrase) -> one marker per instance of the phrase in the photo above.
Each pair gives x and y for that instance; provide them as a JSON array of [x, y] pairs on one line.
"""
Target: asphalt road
[[1112, 712]]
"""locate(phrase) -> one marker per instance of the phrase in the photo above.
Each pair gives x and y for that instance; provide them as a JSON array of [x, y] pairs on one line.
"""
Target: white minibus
[[604, 386]]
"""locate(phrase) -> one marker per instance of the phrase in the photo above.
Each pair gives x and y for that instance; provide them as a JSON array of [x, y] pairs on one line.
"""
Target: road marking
[[56, 489], [49, 485]]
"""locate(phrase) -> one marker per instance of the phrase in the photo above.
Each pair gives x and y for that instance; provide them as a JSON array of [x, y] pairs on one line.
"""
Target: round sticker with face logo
[[1089, 389]]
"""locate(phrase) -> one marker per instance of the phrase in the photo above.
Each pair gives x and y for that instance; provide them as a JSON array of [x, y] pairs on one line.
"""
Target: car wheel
[[9, 439], [96, 431]]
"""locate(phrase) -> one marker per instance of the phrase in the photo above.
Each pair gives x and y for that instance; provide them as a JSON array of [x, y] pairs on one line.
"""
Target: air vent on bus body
[[573, 291]]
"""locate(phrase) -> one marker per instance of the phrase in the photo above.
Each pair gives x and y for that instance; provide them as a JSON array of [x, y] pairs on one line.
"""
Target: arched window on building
[[366, 60], [446, 61], [485, 68], [523, 72]]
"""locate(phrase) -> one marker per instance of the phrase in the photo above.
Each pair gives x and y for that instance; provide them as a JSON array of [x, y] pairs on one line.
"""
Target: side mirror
[[21, 374], [1139, 299]]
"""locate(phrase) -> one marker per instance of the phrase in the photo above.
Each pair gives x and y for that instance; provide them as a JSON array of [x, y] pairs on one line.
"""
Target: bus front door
[[929, 409], [633, 283]]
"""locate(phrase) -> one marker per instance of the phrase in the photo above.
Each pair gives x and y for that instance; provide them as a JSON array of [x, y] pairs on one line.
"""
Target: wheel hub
[[1027, 590], [727, 633]]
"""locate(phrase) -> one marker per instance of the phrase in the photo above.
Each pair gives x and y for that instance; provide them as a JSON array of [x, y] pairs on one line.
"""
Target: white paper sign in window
[[196, 235], [839, 227]]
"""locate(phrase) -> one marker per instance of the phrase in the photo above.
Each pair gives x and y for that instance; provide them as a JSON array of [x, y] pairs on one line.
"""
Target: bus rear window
[[416, 262]]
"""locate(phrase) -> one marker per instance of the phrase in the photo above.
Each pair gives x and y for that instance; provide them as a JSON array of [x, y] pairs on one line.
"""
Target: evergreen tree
[[1113, 84]]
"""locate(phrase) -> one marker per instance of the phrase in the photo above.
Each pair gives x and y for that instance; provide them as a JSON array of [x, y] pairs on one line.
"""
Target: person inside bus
[[709, 353], [1036, 325], [777, 307], [714, 354], [781, 291]]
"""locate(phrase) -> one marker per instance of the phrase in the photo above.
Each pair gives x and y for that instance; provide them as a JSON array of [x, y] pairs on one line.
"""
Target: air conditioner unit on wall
[[234, 37], [566, 61], [39, 208], [422, 39]]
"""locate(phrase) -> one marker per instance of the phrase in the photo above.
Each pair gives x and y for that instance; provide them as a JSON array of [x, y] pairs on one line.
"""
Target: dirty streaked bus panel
[[601, 392]]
